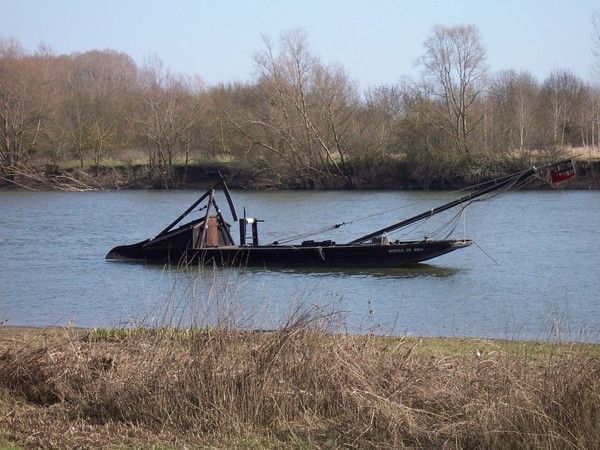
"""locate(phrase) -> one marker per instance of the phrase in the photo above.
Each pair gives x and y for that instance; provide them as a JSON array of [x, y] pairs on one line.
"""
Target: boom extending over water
[[497, 184]]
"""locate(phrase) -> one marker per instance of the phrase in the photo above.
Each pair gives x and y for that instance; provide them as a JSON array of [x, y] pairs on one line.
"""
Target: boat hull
[[364, 255]]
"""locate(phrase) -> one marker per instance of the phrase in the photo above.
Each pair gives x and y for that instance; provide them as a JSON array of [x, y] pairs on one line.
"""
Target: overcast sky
[[377, 41]]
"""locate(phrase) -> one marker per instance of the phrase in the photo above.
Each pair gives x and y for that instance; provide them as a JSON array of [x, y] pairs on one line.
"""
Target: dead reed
[[300, 385]]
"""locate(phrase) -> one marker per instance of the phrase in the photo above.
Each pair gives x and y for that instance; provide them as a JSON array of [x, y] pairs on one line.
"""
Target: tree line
[[300, 122]]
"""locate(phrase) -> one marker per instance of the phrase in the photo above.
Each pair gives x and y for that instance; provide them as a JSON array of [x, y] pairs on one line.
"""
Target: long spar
[[500, 183], [228, 197]]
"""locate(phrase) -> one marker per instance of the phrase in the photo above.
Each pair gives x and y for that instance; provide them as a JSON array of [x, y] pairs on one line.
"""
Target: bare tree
[[221, 136], [595, 116], [561, 96], [307, 112], [168, 114], [382, 111], [454, 67], [513, 96], [425, 146], [22, 109], [98, 90]]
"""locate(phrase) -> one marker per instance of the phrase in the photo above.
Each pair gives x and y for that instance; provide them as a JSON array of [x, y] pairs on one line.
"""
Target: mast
[[196, 203], [499, 183]]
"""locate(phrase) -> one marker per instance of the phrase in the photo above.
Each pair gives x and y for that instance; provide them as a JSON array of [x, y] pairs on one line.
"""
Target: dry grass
[[299, 386]]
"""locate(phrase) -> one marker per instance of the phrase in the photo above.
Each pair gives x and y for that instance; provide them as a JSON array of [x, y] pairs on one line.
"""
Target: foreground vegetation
[[300, 123], [299, 386]]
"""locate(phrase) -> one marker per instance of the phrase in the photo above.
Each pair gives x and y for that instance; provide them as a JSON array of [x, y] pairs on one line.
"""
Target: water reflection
[[412, 271], [419, 270]]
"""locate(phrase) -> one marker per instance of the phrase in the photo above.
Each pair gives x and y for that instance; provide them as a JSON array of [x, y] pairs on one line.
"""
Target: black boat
[[208, 239]]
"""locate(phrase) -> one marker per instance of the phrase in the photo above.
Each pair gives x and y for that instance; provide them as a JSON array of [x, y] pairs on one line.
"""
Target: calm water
[[540, 280]]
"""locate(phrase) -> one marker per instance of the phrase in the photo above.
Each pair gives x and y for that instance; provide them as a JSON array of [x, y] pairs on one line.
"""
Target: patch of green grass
[[4, 444], [219, 161], [440, 347], [535, 350], [437, 347], [120, 334], [87, 163], [72, 164]]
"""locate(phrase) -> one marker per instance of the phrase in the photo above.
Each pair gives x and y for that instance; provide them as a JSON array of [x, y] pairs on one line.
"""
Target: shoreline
[[28, 331], [202, 175]]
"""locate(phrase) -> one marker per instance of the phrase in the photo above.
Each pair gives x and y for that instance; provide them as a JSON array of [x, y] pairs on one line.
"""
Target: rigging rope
[[308, 234], [338, 225], [514, 185]]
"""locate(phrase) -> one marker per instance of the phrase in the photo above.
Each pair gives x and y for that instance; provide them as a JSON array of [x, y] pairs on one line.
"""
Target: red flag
[[562, 171]]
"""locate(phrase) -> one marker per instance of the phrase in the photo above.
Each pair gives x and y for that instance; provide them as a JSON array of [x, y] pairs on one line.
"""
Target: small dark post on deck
[[255, 233], [242, 223]]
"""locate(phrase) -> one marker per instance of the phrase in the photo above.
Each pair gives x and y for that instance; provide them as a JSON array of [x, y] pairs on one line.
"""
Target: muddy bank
[[139, 176]]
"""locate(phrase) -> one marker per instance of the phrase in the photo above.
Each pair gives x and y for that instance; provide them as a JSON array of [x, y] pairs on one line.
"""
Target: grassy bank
[[299, 386]]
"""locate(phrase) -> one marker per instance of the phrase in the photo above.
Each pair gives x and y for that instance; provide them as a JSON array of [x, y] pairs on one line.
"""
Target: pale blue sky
[[377, 41]]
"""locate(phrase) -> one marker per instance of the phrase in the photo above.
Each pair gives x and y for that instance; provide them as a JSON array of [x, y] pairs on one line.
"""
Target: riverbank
[[120, 175], [298, 386]]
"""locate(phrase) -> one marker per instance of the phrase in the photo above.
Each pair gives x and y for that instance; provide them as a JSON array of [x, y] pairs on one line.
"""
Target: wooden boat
[[208, 239]]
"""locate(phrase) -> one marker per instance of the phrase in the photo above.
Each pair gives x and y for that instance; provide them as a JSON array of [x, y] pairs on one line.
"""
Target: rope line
[[451, 225], [485, 253]]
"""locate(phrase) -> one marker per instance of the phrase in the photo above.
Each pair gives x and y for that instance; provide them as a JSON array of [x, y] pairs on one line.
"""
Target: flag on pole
[[562, 171]]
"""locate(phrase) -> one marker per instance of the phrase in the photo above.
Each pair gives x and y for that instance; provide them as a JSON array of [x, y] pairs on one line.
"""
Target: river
[[534, 273]]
